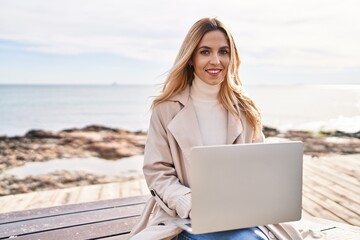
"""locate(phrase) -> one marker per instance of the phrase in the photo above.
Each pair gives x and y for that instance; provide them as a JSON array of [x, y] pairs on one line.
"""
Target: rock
[[40, 134], [341, 134], [325, 143], [112, 150], [98, 141], [270, 132], [91, 128]]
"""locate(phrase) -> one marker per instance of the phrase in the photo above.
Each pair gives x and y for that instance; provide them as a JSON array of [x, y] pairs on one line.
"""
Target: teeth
[[213, 71]]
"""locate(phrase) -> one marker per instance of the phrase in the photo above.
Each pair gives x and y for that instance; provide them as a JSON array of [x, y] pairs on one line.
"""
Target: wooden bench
[[107, 219], [112, 219]]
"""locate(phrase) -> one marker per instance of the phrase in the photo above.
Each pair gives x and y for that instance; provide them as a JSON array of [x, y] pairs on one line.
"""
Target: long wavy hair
[[231, 95]]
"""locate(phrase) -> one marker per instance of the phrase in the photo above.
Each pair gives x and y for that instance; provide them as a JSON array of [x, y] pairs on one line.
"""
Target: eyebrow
[[206, 47]]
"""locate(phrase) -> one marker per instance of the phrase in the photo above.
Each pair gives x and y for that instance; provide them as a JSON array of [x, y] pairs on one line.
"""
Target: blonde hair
[[231, 94]]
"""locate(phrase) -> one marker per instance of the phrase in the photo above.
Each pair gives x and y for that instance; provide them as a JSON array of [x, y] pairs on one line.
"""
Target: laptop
[[245, 185]]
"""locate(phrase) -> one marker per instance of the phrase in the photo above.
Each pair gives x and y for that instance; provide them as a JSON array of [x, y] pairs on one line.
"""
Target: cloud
[[68, 27], [308, 33]]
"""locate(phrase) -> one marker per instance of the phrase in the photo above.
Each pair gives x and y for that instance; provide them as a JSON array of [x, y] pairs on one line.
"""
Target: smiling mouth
[[213, 71]]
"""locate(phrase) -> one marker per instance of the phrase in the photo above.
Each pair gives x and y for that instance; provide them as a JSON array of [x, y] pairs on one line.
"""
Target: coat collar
[[185, 128]]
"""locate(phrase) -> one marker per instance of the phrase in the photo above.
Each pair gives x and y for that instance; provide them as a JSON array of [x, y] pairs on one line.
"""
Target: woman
[[202, 103]]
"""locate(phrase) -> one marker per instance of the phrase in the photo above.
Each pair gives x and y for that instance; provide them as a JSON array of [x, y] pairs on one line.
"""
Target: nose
[[215, 59]]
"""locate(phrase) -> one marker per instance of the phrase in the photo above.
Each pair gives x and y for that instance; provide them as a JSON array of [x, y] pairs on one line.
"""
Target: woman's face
[[211, 57]]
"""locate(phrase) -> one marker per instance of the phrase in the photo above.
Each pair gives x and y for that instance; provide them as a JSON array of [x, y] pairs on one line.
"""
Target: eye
[[204, 52], [223, 51]]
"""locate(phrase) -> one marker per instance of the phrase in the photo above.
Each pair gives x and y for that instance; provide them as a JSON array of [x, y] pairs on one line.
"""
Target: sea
[[58, 107]]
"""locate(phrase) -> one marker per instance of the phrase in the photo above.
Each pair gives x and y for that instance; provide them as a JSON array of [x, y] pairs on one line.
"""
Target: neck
[[201, 91]]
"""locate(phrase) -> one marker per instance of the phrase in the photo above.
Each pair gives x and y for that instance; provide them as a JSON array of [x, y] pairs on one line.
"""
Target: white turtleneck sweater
[[211, 115]]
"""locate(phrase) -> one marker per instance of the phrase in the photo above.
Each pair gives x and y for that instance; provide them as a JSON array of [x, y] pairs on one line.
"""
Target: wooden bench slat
[[65, 209], [119, 237], [69, 219], [116, 229]]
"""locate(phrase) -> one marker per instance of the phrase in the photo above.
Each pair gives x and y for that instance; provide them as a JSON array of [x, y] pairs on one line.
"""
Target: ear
[[190, 62]]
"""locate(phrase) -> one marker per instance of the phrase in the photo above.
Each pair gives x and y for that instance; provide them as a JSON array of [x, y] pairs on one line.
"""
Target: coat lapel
[[185, 129]]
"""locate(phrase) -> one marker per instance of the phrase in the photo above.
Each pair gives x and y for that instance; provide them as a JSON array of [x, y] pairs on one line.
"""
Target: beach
[[109, 144]]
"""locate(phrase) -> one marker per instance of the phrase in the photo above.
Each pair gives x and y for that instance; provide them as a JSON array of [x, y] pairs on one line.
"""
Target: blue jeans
[[252, 233]]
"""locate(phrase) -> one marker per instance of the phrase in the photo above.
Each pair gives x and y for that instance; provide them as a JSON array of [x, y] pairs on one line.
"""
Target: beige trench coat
[[172, 133]]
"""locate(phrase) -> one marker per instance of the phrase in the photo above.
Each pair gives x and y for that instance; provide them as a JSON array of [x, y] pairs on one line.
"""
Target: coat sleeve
[[160, 172]]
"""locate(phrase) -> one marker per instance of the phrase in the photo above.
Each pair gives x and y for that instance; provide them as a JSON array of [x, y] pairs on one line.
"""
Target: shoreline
[[114, 144]]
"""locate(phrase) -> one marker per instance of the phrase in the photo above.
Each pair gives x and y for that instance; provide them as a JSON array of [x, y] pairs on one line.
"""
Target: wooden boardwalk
[[331, 191], [332, 188]]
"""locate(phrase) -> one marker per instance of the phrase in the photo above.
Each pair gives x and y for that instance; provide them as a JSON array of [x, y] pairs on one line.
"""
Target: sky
[[136, 42]]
